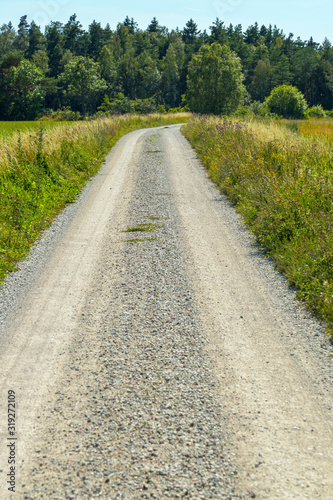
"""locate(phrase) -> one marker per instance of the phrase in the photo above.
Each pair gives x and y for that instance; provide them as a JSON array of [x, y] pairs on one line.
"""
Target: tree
[[215, 80], [24, 86], [261, 80], [128, 73], [131, 25], [83, 83], [323, 84], [280, 64], [218, 32], [304, 64], [148, 76], [21, 42], [41, 61], [107, 67], [252, 34], [55, 46], [36, 40], [7, 38], [170, 79], [287, 101], [72, 34], [154, 27], [190, 32], [281, 72], [96, 39]]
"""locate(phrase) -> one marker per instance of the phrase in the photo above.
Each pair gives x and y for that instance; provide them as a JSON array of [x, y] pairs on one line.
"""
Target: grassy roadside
[[42, 170], [282, 185]]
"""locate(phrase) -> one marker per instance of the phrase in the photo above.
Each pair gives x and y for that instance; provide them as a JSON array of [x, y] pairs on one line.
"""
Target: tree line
[[133, 69]]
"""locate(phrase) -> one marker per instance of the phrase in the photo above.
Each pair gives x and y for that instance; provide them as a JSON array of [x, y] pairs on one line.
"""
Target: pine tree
[[72, 35], [7, 38], [36, 40], [55, 46], [190, 32], [154, 27], [21, 42]]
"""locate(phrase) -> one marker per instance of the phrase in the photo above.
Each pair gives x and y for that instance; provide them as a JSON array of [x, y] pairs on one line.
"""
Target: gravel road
[[154, 352]]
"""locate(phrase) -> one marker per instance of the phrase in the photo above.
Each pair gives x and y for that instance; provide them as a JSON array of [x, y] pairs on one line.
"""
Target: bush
[[287, 101], [161, 108], [123, 105], [316, 112], [260, 108], [64, 114], [244, 111], [144, 106]]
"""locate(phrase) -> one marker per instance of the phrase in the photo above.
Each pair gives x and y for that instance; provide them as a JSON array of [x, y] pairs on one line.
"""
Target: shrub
[[316, 112], [244, 111], [161, 108], [260, 108], [287, 101], [123, 105], [64, 114]]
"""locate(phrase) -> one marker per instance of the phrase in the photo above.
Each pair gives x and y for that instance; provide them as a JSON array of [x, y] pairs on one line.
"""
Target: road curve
[[154, 353]]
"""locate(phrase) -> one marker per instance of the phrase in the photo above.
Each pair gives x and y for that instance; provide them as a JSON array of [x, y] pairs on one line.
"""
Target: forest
[[77, 72]]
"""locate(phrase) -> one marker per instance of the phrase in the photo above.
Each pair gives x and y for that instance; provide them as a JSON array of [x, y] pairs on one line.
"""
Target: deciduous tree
[[83, 83], [215, 80]]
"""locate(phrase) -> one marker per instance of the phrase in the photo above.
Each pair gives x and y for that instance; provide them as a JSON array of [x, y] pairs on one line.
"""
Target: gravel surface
[[166, 362]]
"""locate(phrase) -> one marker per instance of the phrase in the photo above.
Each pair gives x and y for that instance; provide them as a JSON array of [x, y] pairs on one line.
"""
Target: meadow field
[[322, 128], [9, 128], [281, 183]]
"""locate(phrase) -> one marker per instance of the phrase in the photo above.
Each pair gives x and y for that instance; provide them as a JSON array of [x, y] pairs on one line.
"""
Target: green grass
[[281, 183], [143, 228], [8, 128], [135, 240], [43, 168]]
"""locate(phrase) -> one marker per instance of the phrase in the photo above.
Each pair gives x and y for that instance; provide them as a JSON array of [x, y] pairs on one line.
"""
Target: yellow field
[[322, 128]]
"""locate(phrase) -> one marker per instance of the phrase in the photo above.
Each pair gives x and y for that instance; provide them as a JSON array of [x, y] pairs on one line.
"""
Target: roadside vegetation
[[42, 169], [281, 183]]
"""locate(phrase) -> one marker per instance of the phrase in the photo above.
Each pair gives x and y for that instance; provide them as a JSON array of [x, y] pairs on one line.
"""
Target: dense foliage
[[49, 70], [215, 80], [287, 101]]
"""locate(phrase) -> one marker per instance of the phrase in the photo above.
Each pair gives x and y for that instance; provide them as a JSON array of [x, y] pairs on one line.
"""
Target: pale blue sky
[[304, 18]]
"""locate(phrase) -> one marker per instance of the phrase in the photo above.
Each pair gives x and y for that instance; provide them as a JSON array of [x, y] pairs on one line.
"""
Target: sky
[[303, 18]]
